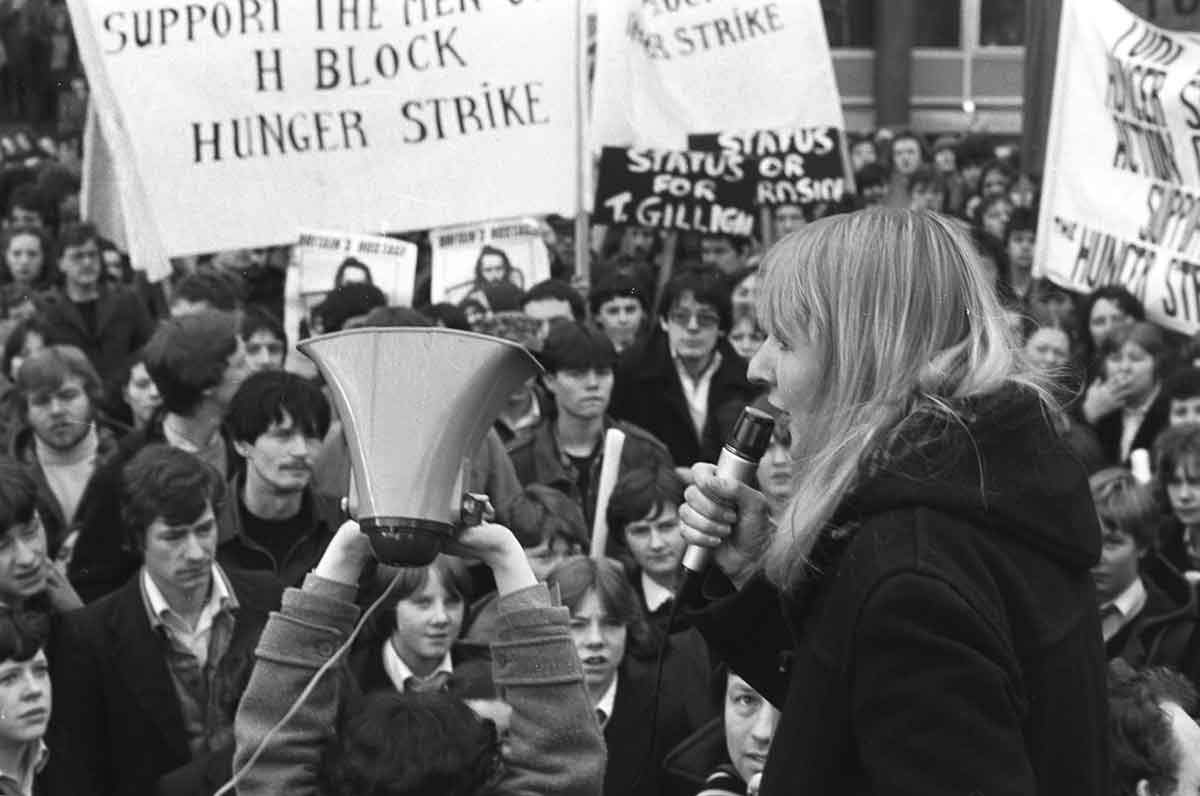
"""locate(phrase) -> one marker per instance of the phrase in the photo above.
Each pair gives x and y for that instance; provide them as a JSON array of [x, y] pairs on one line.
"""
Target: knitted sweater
[[554, 742]]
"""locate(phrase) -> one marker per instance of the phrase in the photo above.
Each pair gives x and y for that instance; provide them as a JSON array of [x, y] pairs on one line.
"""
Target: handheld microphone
[[749, 440]]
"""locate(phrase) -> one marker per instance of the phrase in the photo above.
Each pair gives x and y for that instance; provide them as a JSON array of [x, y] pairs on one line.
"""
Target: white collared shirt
[[1131, 421], [1128, 604], [195, 640], [607, 701], [695, 391], [33, 760], [654, 593], [398, 671]]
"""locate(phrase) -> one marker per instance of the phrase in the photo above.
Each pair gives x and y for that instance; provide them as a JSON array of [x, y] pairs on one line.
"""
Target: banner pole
[[582, 155]]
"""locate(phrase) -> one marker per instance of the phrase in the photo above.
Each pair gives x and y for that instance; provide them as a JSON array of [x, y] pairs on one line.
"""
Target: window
[[939, 24], [1002, 23]]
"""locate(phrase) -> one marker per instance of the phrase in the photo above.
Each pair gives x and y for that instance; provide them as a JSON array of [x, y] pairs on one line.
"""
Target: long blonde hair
[[899, 308]]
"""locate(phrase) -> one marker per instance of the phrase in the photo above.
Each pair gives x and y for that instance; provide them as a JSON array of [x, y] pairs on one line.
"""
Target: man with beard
[[58, 392], [277, 522]]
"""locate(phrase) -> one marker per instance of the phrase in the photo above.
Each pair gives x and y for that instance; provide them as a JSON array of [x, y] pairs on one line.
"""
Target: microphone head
[[751, 435]]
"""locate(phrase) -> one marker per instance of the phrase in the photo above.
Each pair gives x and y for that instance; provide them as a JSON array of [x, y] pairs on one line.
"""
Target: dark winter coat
[[948, 640], [647, 393], [122, 326]]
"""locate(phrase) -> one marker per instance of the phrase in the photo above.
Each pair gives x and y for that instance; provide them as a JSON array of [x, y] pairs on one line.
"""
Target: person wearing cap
[[567, 450]]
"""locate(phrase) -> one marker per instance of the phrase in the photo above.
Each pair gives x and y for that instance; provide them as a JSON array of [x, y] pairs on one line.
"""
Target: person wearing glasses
[[686, 384]]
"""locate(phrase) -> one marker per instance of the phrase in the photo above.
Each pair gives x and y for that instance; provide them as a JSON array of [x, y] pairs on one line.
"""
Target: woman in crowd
[[993, 215], [774, 473], [726, 756], [385, 742], [643, 528], [27, 271], [746, 336], [1127, 407], [922, 611], [1177, 468], [27, 338], [25, 702], [618, 651], [408, 645], [1106, 310], [133, 397]]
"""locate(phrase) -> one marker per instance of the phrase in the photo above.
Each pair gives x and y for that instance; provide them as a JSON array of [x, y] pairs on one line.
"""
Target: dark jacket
[[537, 460], [948, 640], [102, 560], [121, 727], [648, 394], [321, 514], [702, 759], [24, 450], [1164, 633], [122, 326], [1108, 430], [684, 704]]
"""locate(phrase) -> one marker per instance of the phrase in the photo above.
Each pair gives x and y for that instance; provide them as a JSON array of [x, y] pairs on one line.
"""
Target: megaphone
[[415, 402]]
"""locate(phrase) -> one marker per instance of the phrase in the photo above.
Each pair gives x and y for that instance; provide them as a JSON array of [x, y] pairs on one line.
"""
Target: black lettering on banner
[[706, 192], [492, 108], [794, 167], [1181, 283], [1103, 259], [266, 135], [187, 23]]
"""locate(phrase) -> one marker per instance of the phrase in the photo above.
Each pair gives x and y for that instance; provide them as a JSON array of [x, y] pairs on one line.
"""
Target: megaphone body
[[415, 402]]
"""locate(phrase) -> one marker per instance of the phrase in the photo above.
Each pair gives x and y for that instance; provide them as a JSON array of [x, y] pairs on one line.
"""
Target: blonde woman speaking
[[921, 611]]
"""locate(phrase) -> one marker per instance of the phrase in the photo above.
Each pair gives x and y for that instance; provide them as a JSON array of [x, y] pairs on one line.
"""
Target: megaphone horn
[[415, 402]]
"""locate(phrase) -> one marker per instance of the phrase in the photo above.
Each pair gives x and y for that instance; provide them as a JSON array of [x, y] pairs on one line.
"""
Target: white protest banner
[[233, 122], [323, 260], [1121, 194], [667, 68], [469, 257]]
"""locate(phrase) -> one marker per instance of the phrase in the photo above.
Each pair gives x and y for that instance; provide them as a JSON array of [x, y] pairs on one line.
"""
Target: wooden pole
[[582, 150]]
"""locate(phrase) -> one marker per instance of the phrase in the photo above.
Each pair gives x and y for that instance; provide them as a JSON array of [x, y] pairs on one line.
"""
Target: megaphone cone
[[415, 402]]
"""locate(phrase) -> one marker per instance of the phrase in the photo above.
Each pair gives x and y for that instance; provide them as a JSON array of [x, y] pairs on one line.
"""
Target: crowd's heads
[[886, 314], [139, 392], [79, 256], [619, 305], [265, 340], [1137, 356], [607, 620], [1154, 742], [1129, 518], [750, 722], [1107, 309], [492, 266], [643, 521], [1048, 348], [27, 256], [277, 421], [872, 183], [1021, 237], [1177, 464], [996, 180], [774, 472], [24, 567], [168, 509], [409, 745], [696, 310], [788, 219], [27, 206], [25, 697], [1182, 391], [26, 339], [424, 612], [207, 290], [552, 299], [579, 362], [1052, 305], [725, 254], [945, 154], [994, 214], [550, 526], [196, 358], [350, 300], [927, 190], [59, 392], [908, 153]]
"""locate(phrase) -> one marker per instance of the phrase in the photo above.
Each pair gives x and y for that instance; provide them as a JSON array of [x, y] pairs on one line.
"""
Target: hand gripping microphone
[[739, 458]]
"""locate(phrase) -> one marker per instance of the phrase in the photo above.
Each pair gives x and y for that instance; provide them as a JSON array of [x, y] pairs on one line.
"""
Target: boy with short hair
[[1182, 390]]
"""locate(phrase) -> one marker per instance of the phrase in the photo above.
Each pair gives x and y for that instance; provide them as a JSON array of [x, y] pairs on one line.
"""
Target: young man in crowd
[[29, 581], [1143, 619], [724, 254], [1155, 741], [552, 299], [265, 339], [1183, 392], [62, 443], [106, 322], [620, 307], [207, 290], [274, 521], [567, 451], [148, 678], [198, 362], [1019, 242], [788, 219], [686, 385]]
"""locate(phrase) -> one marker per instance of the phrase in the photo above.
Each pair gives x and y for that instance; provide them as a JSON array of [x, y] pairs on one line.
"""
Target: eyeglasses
[[704, 319]]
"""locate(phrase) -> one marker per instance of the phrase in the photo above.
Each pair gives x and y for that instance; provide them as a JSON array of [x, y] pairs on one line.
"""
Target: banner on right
[[1121, 193]]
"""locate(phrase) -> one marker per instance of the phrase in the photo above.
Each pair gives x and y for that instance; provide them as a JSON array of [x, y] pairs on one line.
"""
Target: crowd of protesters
[[176, 565]]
